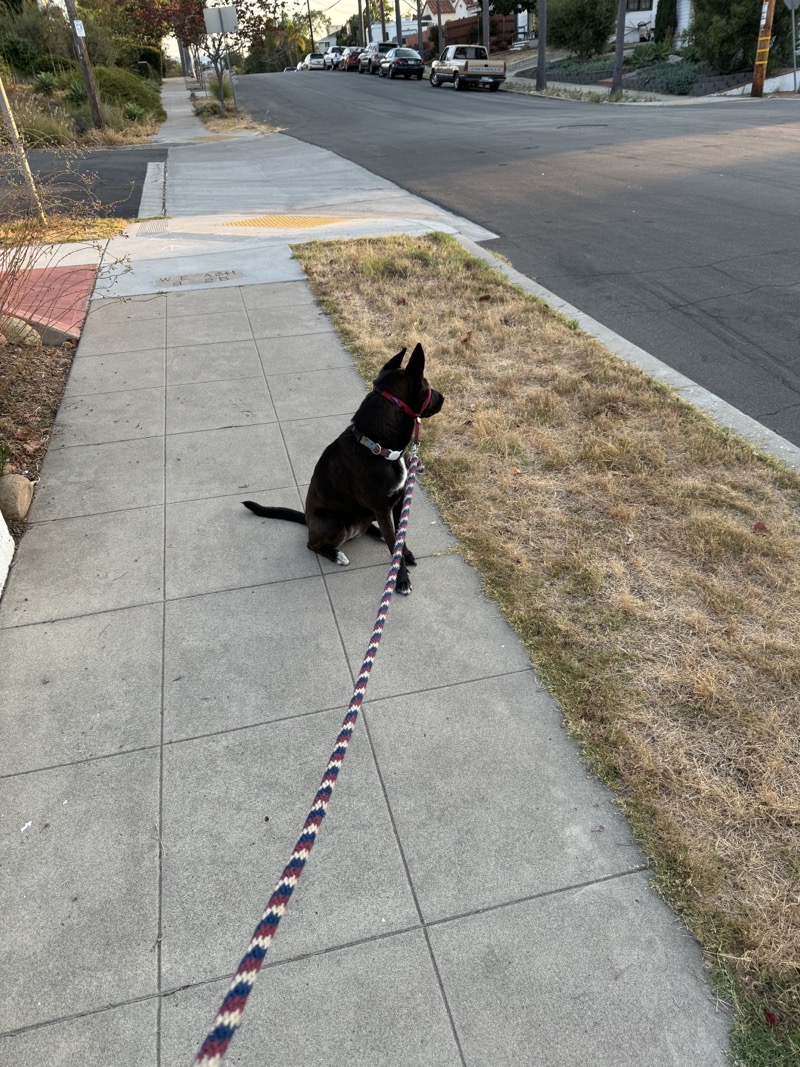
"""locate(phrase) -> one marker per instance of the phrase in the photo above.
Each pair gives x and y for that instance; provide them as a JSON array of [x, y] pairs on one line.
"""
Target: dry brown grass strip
[[650, 562]]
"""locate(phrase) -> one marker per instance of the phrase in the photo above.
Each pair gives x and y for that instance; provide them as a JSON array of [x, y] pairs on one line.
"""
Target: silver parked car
[[330, 59]]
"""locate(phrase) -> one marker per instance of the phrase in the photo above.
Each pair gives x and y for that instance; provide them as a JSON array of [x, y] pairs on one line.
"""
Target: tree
[[147, 20], [258, 20], [348, 34], [725, 33], [582, 26], [666, 21], [292, 38], [514, 7]]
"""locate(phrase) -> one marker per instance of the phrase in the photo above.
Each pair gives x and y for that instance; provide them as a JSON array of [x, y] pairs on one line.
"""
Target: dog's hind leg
[[325, 535], [332, 553]]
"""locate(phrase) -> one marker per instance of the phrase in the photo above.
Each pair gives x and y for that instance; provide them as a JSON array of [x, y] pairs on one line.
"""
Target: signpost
[[222, 21], [79, 37]]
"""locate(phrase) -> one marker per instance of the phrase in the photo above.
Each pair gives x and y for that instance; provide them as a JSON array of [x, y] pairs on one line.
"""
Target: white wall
[[6, 551], [684, 15]]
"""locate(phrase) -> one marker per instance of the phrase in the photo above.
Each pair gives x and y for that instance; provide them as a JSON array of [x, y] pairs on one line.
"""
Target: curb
[[715, 407]]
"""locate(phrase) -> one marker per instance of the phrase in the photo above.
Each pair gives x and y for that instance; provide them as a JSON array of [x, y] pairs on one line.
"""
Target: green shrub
[[646, 55], [18, 52], [117, 86], [582, 26], [30, 33], [207, 108], [76, 93], [154, 59], [130, 53], [725, 33], [688, 49], [133, 112], [571, 65], [45, 83], [55, 64], [213, 87], [113, 116], [675, 78]]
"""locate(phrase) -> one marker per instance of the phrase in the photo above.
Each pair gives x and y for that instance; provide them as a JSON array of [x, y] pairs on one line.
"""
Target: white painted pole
[[19, 152]]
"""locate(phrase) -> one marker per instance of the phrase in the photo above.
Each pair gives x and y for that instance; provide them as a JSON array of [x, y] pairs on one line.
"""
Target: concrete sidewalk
[[174, 672]]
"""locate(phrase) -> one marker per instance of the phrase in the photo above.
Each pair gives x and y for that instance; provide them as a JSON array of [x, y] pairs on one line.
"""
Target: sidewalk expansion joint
[[271, 965]]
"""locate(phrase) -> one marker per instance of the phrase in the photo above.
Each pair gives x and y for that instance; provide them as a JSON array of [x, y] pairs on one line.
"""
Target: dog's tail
[[276, 513]]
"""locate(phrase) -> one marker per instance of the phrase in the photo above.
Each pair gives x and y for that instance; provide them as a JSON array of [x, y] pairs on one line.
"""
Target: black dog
[[361, 476]]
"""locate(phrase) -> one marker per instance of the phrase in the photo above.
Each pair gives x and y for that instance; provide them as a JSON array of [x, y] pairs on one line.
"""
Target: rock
[[3, 340], [18, 332], [16, 494]]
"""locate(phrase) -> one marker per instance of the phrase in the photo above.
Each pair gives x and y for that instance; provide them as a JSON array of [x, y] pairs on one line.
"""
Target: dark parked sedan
[[402, 63]]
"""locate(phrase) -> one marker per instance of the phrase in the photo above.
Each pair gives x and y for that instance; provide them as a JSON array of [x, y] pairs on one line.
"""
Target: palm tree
[[292, 39]]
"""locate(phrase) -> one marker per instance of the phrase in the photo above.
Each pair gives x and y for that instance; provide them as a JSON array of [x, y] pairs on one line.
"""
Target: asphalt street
[[675, 226], [116, 174]]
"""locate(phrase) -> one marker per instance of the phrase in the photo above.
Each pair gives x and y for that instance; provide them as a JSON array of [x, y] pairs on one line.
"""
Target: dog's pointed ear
[[416, 363], [394, 362]]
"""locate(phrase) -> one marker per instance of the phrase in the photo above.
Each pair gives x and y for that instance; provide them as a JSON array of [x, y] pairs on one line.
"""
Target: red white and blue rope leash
[[232, 1008]]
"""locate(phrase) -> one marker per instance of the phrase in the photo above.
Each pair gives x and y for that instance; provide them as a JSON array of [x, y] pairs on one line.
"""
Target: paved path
[[174, 671]]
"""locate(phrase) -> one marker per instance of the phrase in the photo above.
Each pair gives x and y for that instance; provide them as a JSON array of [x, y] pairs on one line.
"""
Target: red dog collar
[[402, 404]]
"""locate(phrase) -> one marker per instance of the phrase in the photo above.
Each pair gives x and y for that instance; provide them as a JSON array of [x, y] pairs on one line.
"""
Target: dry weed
[[650, 562]]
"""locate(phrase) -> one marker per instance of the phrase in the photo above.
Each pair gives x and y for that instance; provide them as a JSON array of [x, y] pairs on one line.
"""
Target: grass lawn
[[649, 561]]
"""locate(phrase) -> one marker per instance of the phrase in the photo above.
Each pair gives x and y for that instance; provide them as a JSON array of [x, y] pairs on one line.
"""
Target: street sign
[[220, 19], [792, 4], [79, 30]]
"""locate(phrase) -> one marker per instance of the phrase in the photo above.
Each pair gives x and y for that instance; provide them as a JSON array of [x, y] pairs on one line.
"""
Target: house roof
[[445, 6]]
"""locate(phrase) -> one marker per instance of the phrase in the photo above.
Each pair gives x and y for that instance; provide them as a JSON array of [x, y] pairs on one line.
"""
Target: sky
[[339, 11]]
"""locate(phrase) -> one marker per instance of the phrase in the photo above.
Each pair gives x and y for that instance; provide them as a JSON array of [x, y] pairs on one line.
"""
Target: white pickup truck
[[467, 65]]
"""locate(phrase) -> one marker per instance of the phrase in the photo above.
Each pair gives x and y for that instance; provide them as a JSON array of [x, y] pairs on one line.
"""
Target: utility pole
[[439, 35], [792, 4], [79, 38], [619, 50], [398, 36], [541, 65], [360, 35], [19, 152], [762, 48], [485, 24], [310, 27]]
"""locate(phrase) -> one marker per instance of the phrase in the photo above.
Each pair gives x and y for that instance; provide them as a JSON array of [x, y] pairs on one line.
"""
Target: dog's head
[[409, 383]]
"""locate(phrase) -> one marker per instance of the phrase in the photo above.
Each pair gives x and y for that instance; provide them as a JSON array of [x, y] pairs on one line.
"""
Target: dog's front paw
[[403, 586], [409, 557], [342, 559]]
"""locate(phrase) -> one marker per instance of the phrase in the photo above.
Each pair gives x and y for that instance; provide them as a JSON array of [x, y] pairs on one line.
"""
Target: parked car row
[[379, 57], [465, 66]]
